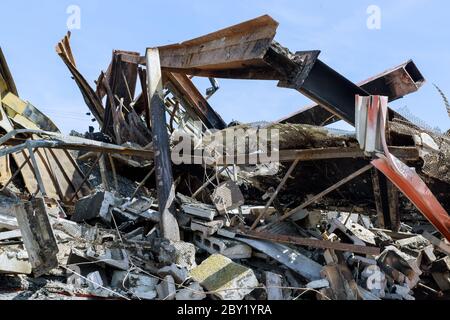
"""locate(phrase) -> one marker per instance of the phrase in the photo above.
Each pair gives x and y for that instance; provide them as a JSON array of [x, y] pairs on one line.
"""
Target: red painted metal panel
[[405, 178]]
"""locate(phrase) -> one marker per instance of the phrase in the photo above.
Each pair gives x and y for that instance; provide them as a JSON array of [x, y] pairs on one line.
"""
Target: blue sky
[[417, 29]]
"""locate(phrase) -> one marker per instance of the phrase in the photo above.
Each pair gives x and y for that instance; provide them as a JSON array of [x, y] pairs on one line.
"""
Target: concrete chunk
[[141, 286], [206, 228], [227, 196], [180, 274], [14, 263], [166, 289], [194, 292], [95, 206], [115, 257], [179, 253], [273, 286], [200, 210], [318, 284], [229, 248], [224, 278]]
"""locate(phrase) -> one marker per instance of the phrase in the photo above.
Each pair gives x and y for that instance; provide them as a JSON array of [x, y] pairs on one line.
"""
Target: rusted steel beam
[[394, 83], [415, 189], [320, 244]]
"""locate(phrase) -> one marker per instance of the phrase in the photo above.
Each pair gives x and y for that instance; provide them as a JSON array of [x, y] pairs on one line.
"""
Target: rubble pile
[[158, 206]]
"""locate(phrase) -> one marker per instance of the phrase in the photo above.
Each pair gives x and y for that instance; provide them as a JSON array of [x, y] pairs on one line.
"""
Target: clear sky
[[417, 29]]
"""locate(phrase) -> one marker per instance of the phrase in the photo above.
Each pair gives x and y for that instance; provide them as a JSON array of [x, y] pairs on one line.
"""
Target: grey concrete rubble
[[193, 292], [229, 248], [14, 262], [163, 200], [207, 228], [180, 274], [200, 210], [139, 285], [166, 289], [274, 285], [180, 253]]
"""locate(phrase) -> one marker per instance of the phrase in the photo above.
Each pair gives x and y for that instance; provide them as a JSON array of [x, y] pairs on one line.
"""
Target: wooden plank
[[163, 163], [230, 52]]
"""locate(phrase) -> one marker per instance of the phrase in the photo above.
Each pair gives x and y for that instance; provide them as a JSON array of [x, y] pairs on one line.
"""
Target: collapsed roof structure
[[331, 209]]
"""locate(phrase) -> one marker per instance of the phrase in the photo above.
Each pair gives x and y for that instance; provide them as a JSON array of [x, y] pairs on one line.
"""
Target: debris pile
[[163, 204]]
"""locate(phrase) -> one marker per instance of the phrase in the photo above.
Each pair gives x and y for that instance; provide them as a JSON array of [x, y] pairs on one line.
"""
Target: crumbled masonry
[[314, 214]]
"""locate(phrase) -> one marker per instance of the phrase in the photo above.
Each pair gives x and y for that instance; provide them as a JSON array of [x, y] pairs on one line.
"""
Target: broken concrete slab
[[14, 262], [400, 266], [224, 278], [203, 211], [114, 257]]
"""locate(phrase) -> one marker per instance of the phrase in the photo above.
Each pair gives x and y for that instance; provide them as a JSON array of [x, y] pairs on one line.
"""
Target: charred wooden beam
[[163, 163], [236, 52], [90, 97]]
